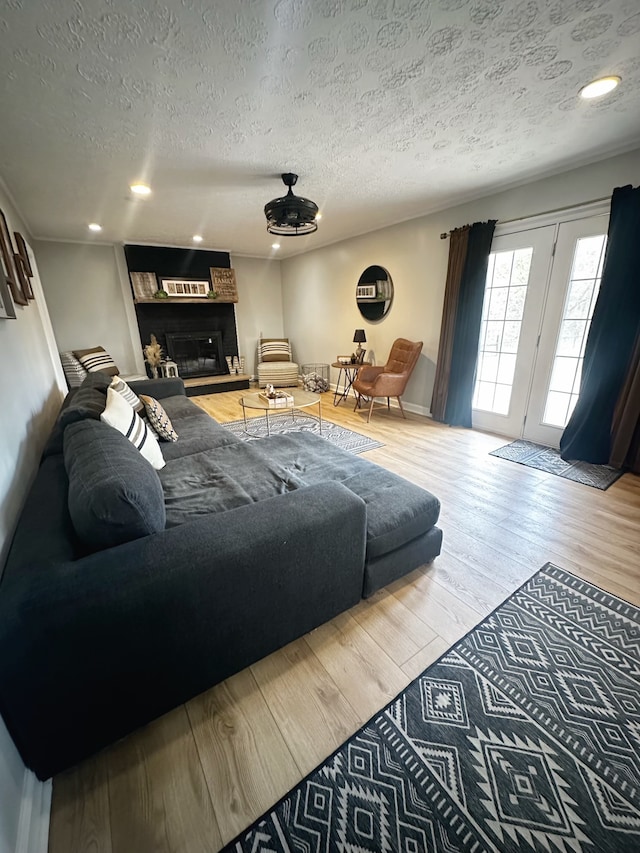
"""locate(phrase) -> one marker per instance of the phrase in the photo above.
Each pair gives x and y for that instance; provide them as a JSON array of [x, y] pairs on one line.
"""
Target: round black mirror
[[374, 293]]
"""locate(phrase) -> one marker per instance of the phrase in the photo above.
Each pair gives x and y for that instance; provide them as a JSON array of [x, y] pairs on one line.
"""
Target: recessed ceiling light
[[197, 238], [600, 87], [140, 189], [318, 216], [275, 245], [93, 226]]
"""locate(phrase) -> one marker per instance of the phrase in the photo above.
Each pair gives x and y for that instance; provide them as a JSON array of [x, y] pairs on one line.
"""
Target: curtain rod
[[445, 234]]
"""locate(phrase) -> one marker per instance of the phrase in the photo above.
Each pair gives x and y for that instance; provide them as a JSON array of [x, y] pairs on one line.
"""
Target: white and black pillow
[[158, 418], [96, 359], [119, 414], [73, 370], [275, 349], [130, 396]]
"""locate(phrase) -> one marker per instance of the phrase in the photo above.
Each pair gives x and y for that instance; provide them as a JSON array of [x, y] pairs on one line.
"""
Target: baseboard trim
[[414, 408], [35, 809]]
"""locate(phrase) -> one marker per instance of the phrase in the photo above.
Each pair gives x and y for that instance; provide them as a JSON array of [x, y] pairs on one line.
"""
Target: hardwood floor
[[195, 778]]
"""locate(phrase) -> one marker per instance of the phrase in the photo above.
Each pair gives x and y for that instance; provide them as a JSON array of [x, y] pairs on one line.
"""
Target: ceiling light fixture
[[140, 189], [275, 245], [93, 226], [318, 216], [291, 215], [197, 238], [599, 87]]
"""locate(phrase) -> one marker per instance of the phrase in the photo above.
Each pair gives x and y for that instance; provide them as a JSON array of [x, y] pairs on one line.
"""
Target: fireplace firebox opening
[[197, 353]]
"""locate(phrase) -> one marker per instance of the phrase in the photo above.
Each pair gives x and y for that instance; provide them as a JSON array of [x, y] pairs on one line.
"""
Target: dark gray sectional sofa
[[128, 591]]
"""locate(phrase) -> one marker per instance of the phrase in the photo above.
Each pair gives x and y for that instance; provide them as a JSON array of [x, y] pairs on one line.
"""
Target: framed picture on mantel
[[223, 281], [185, 287]]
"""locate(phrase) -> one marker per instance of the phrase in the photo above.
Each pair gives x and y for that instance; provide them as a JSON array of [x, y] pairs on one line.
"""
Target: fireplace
[[196, 353]]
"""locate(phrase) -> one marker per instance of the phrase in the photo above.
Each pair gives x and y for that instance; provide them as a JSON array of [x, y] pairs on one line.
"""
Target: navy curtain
[[466, 335], [612, 335]]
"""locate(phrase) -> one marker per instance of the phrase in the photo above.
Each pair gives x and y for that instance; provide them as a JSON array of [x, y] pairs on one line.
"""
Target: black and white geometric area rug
[[524, 736], [285, 422]]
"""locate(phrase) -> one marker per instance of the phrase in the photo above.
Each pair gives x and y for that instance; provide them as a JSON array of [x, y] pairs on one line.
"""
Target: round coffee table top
[[301, 399]]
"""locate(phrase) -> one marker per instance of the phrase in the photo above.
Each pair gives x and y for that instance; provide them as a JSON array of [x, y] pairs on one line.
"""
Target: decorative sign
[[185, 287], [145, 284], [223, 281]]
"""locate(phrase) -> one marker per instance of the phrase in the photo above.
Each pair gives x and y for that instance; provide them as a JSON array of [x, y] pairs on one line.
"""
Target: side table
[[346, 374]]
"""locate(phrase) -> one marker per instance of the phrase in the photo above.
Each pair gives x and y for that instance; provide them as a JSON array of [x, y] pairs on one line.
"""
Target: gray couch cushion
[[397, 510], [220, 479], [227, 476], [114, 493], [196, 430], [87, 401]]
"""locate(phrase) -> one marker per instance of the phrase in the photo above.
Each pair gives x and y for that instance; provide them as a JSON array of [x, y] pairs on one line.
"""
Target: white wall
[[89, 297], [259, 306], [318, 288], [31, 384], [85, 296]]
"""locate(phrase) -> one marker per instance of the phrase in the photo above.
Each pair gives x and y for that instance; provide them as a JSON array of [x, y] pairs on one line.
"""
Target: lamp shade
[[359, 337]]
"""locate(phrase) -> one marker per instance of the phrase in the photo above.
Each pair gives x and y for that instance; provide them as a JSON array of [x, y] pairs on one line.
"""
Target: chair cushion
[[274, 349], [279, 373], [114, 494], [96, 359]]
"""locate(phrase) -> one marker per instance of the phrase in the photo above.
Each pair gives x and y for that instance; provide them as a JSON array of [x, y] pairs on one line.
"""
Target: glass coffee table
[[301, 400]]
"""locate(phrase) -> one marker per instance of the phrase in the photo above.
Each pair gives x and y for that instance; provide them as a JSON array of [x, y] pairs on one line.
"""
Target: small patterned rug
[[280, 423], [548, 459], [522, 738]]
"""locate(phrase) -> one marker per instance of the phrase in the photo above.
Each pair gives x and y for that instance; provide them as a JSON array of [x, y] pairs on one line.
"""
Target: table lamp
[[359, 338]]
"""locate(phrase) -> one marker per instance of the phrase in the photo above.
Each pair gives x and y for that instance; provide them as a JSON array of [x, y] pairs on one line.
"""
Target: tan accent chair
[[390, 380], [278, 370]]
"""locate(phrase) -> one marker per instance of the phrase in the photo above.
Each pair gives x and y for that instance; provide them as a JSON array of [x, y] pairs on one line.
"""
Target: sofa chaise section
[[95, 647]]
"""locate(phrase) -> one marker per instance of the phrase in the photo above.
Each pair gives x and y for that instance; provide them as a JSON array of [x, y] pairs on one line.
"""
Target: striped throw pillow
[[96, 359], [73, 370], [275, 349], [119, 415], [159, 419], [130, 396]]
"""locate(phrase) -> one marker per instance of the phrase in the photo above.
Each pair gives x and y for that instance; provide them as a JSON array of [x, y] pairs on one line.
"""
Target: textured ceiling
[[387, 109]]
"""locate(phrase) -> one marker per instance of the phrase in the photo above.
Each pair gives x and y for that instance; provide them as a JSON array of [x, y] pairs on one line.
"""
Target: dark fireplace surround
[[200, 334]]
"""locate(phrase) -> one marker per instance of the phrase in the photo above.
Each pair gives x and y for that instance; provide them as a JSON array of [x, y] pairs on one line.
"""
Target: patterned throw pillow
[[131, 397], [96, 359], [121, 416], [158, 418], [274, 349], [73, 370]]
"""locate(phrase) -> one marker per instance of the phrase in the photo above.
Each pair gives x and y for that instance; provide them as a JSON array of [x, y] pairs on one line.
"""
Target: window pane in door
[[584, 284], [502, 312]]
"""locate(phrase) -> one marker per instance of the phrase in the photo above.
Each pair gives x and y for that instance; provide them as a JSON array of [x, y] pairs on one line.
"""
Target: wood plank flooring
[[195, 778]]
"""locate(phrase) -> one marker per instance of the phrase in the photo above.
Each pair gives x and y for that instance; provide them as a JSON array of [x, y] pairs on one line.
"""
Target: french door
[[541, 290]]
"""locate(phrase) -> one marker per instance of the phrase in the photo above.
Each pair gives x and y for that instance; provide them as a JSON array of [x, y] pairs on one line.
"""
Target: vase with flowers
[[153, 356]]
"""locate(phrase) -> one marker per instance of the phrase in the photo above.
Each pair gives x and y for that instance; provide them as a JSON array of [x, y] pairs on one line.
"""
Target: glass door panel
[[516, 278], [584, 284], [502, 312], [573, 291]]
